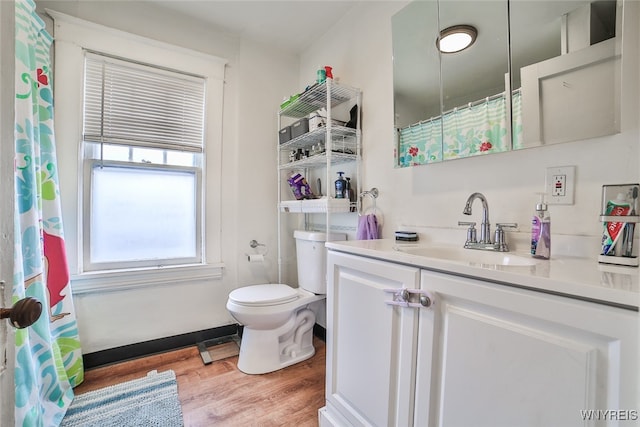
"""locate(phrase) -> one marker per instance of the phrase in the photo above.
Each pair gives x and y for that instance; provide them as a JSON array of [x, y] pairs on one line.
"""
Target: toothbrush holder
[[619, 216]]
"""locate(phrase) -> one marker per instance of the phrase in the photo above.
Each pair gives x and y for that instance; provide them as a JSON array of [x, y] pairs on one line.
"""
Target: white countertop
[[583, 278]]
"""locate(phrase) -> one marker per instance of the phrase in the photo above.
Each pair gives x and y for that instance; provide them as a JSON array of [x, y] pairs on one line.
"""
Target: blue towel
[[367, 227]]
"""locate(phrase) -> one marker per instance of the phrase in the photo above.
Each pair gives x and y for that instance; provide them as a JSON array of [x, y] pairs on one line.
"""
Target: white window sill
[[117, 280]]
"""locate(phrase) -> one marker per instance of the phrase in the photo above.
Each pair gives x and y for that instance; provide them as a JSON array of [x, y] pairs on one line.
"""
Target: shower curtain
[[462, 132], [48, 356]]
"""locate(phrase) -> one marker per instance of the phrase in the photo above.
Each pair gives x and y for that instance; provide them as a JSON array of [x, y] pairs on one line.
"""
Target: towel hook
[[373, 193]]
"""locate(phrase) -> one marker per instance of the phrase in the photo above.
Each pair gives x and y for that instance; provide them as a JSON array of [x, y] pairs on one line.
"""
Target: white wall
[[430, 198], [252, 97]]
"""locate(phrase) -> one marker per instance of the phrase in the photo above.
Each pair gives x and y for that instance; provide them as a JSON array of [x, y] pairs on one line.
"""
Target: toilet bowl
[[278, 330], [278, 323]]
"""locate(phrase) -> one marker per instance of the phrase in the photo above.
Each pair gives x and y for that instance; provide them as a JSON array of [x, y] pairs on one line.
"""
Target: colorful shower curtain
[[462, 132], [48, 356], [475, 129]]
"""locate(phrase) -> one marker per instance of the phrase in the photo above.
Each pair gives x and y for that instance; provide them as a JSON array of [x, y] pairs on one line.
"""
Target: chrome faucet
[[485, 243], [485, 227]]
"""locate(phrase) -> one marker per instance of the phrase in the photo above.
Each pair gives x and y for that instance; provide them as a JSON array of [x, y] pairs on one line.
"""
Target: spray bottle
[[541, 230]]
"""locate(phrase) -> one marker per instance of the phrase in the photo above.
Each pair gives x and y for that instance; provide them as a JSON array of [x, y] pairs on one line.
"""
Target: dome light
[[457, 38]]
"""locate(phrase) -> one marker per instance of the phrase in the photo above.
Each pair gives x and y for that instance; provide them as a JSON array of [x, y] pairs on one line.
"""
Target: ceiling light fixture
[[457, 38]]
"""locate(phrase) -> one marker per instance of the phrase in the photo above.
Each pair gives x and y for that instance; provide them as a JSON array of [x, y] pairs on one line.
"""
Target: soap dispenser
[[341, 186], [541, 231]]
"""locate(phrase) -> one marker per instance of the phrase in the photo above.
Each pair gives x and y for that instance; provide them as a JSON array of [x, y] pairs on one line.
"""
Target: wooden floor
[[219, 394]]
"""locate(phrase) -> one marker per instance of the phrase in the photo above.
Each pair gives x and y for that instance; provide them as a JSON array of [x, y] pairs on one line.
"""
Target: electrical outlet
[[559, 184]]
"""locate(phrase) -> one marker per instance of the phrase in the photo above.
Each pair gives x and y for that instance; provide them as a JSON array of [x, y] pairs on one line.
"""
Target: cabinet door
[[501, 356], [370, 344]]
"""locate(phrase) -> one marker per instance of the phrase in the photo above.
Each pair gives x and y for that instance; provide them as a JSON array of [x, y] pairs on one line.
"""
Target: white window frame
[[89, 164], [72, 37]]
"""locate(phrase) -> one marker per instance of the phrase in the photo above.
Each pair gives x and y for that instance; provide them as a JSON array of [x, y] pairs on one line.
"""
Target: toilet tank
[[312, 259]]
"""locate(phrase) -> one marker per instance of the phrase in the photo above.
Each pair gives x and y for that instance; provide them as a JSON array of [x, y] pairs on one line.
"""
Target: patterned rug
[[150, 401]]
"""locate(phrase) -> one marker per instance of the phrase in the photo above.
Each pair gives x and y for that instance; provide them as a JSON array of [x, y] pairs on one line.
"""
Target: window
[[143, 149], [96, 150]]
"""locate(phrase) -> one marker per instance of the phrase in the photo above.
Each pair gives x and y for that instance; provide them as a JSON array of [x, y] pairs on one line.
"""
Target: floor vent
[[219, 348]]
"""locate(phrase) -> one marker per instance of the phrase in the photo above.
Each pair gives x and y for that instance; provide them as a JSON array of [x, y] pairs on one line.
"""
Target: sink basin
[[471, 256]]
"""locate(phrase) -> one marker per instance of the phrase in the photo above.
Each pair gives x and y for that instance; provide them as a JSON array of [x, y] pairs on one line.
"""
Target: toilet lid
[[257, 295]]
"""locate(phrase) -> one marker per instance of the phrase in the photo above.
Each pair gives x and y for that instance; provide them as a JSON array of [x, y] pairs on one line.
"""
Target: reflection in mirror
[[566, 65], [565, 71], [450, 105], [475, 108], [416, 83]]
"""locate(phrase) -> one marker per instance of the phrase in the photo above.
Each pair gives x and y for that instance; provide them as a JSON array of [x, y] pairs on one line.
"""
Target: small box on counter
[[299, 128], [406, 236], [284, 135]]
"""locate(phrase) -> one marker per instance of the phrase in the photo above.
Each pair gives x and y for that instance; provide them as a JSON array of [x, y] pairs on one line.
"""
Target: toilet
[[278, 324]]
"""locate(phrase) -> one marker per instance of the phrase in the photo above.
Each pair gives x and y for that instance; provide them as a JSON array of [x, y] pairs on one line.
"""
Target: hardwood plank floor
[[221, 395]]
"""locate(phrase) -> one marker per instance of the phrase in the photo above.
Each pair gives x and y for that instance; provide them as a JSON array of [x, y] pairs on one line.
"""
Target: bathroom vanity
[[434, 335]]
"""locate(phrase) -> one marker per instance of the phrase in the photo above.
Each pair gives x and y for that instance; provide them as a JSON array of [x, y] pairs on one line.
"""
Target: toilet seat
[[263, 295]]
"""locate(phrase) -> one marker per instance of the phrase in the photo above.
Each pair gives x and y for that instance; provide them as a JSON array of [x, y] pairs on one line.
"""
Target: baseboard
[[160, 345], [320, 332]]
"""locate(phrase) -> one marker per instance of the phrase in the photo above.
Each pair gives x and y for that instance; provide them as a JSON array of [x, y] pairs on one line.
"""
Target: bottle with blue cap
[[340, 186]]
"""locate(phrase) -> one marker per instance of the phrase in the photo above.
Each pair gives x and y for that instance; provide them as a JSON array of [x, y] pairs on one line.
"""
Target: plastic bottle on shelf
[[328, 72], [340, 185], [350, 194], [321, 75]]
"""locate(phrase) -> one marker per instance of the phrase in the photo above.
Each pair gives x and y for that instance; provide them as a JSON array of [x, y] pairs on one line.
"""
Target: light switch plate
[[560, 181]]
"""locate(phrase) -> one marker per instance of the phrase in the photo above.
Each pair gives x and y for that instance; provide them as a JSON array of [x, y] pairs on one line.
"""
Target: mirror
[[475, 107], [566, 66], [565, 70], [416, 83], [416, 72]]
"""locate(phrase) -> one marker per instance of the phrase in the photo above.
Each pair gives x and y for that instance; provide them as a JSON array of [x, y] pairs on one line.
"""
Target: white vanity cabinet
[[483, 354], [370, 345], [495, 355]]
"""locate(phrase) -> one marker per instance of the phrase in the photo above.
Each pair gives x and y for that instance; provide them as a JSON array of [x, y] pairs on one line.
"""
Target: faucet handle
[[499, 235], [471, 231]]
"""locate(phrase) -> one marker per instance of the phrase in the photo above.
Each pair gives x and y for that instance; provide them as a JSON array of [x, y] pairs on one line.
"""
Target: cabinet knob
[[24, 313], [425, 301], [403, 297]]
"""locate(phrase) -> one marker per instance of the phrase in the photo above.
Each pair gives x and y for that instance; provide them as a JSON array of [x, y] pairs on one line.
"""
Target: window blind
[[133, 104]]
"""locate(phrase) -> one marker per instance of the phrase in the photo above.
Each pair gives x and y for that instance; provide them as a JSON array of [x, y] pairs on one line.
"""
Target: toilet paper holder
[[259, 256], [254, 244]]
